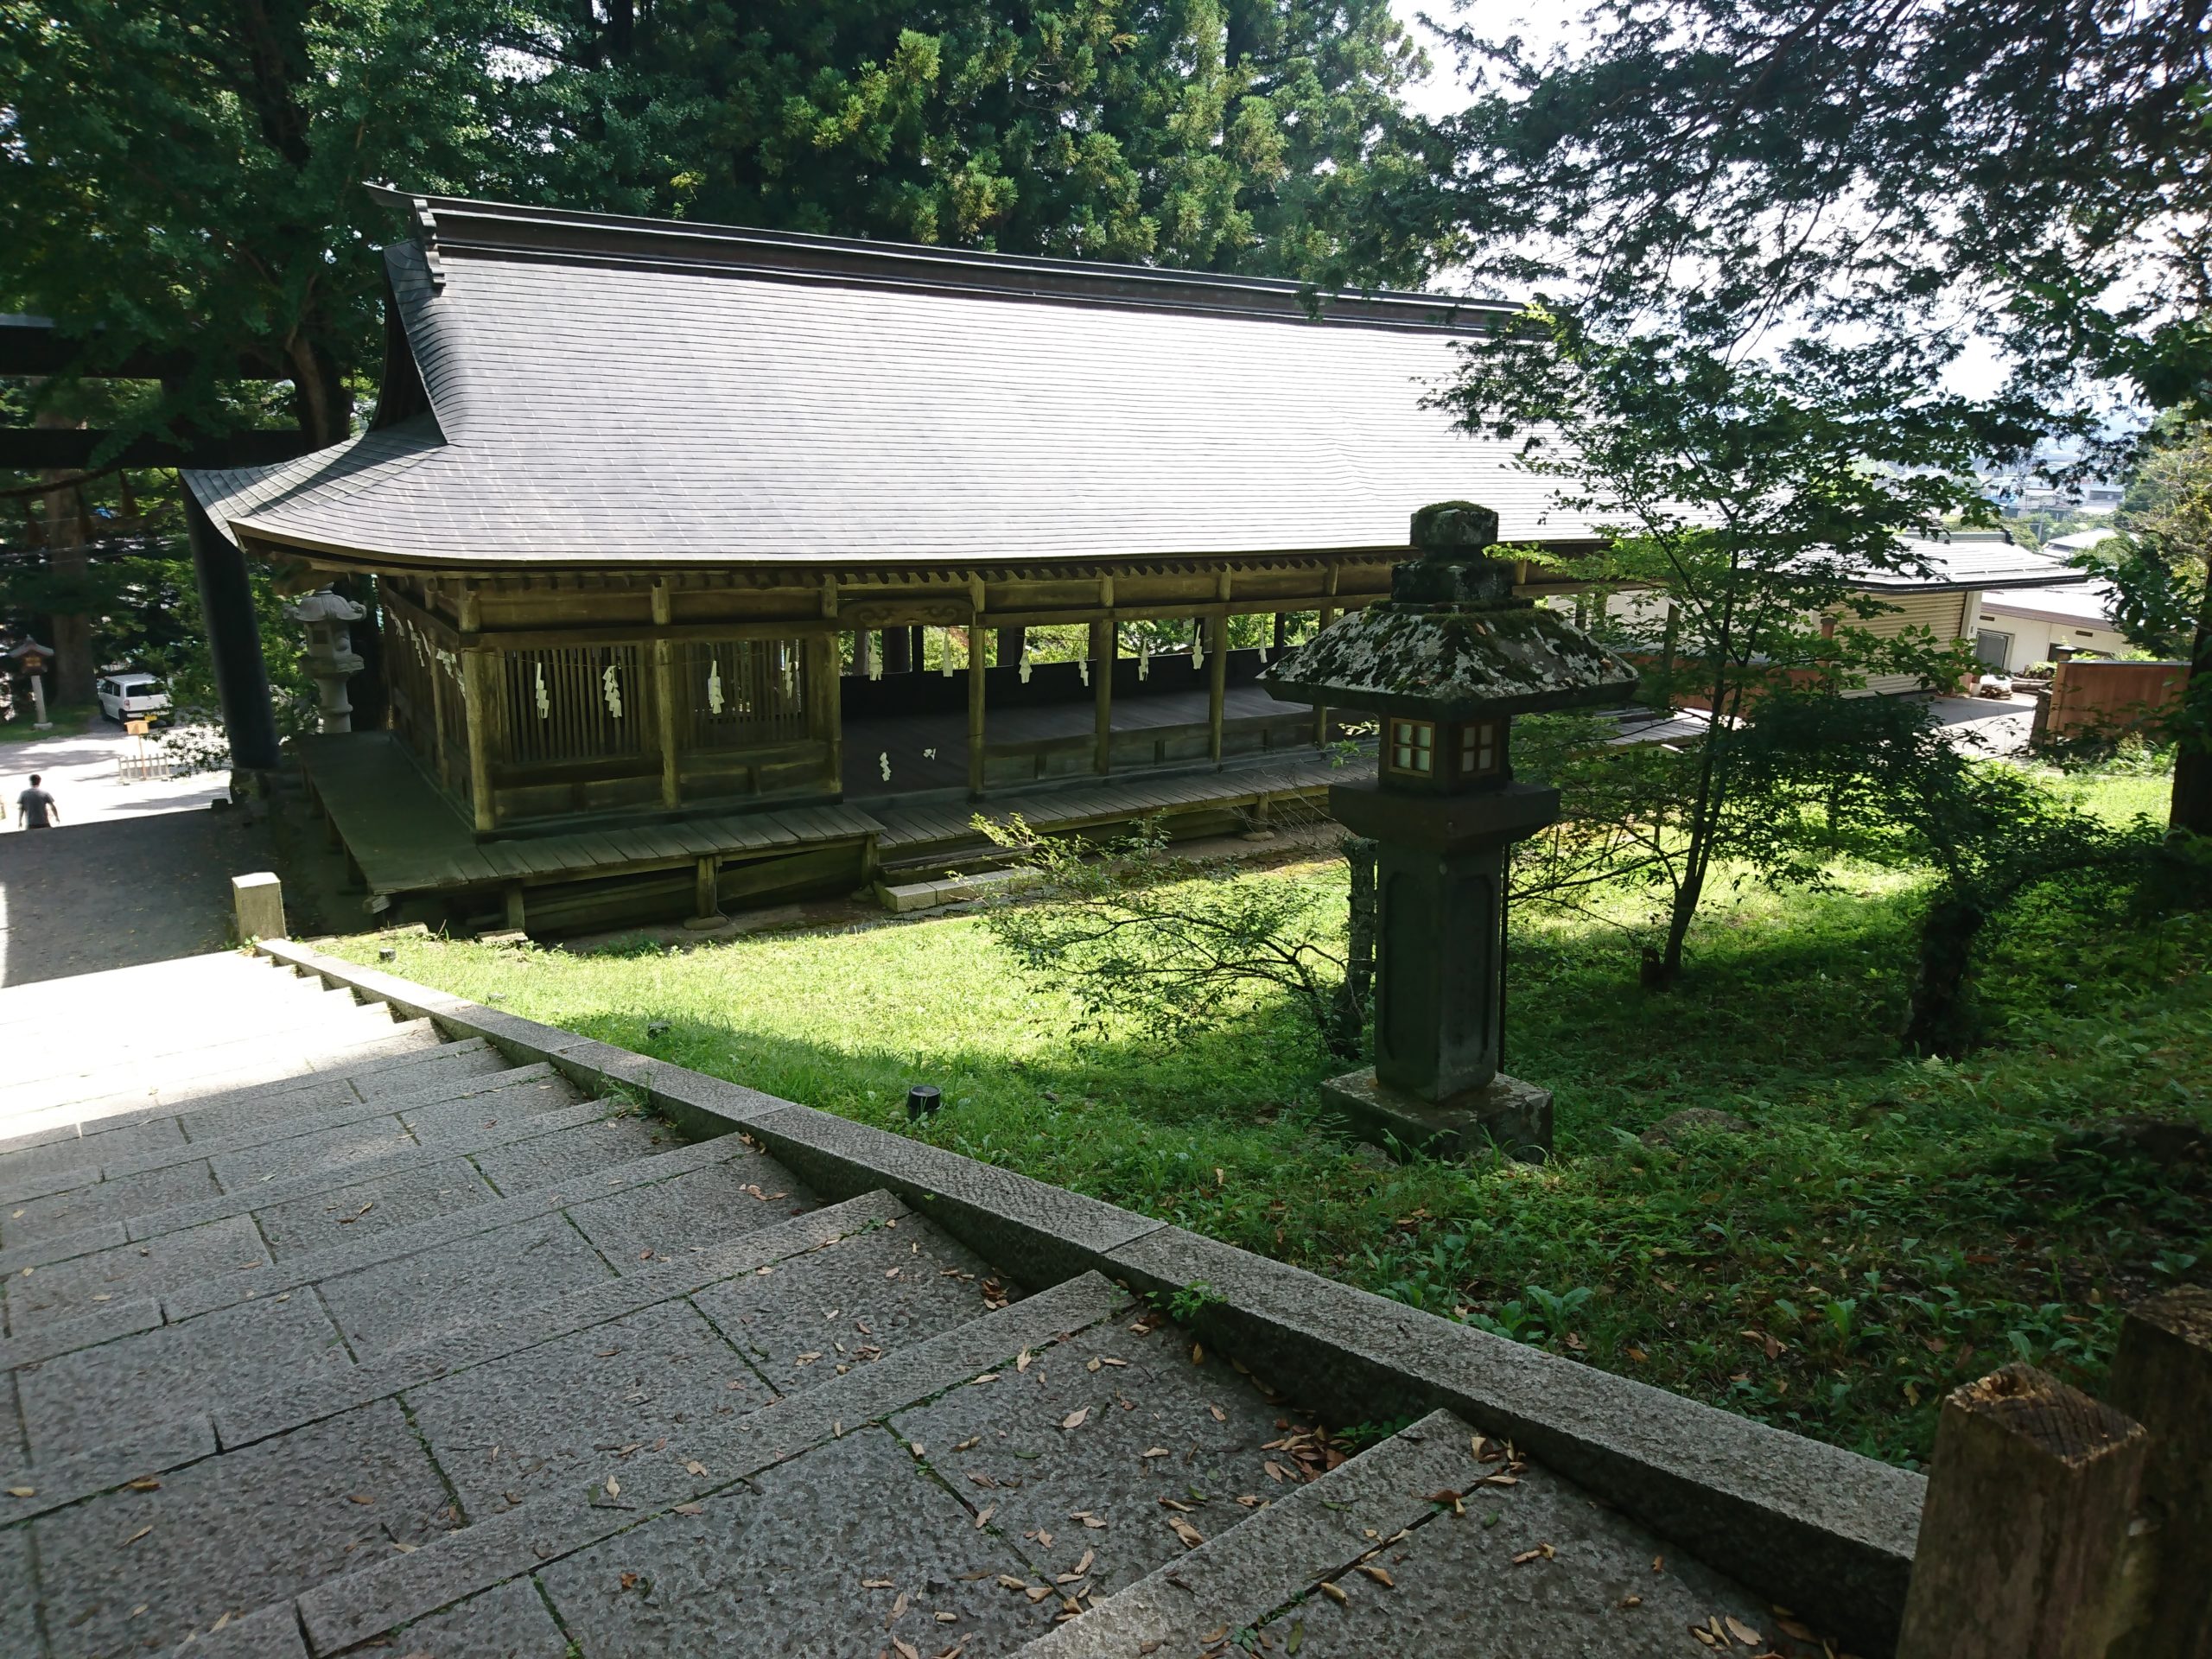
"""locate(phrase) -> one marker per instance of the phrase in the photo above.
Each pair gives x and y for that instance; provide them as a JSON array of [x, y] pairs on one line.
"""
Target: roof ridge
[[446, 225]]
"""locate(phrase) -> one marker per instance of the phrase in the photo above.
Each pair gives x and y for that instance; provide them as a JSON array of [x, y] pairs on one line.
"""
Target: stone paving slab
[[439, 1232], [21, 1171], [107, 1203], [253, 1419], [1456, 1587], [375, 1599], [1307, 1534], [510, 1622], [338, 1215], [823, 1314], [14, 1450], [415, 1074], [547, 1418], [323, 1153], [77, 1287], [834, 1554], [646, 1225], [579, 1156], [437, 1121], [77, 1400], [18, 1610], [1022, 1459], [230, 1535], [268, 1195], [119, 1318], [106, 1465], [480, 1277]]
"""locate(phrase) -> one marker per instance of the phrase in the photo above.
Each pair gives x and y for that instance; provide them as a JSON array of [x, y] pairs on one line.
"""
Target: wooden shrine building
[[694, 547]]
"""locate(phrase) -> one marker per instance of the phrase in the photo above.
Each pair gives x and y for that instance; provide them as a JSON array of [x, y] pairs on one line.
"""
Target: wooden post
[[863, 653], [2026, 1526], [898, 651], [1102, 650], [975, 709], [665, 705], [826, 716], [518, 910], [706, 891], [439, 759], [1217, 681], [1328, 614], [2162, 1377], [476, 687]]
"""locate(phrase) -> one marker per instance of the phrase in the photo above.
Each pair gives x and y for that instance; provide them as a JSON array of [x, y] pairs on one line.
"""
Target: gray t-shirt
[[33, 803]]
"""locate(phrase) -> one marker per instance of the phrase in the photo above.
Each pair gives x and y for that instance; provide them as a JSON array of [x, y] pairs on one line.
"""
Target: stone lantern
[[1443, 664], [331, 658]]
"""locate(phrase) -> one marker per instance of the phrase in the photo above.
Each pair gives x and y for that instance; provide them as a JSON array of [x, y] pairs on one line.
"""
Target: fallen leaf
[[1743, 1633], [614, 1489], [1155, 1451], [1540, 1552], [1174, 1503], [1008, 1581], [1796, 1631], [145, 1483], [629, 1580], [1092, 1366], [984, 1515], [988, 1377], [689, 1509], [695, 1467], [1631, 1601], [1658, 1563], [1377, 1575], [969, 1444], [1038, 1591], [22, 1491], [907, 1650], [1334, 1592], [1074, 1419], [876, 1584], [1190, 1535], [1704, 1635], [1022, 1361], [137, 1536], [364, 1498], [899, 1606]]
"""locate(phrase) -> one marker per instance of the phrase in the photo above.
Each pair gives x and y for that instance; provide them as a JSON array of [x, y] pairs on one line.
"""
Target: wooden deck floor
[[404, 837]]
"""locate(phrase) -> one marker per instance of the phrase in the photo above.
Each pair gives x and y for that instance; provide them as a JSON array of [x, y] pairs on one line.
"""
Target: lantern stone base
[[1514, 1115]]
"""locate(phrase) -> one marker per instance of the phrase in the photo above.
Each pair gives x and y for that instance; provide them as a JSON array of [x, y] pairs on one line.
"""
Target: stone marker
[[2025, 1533], [2162, 1377], [258, 902]]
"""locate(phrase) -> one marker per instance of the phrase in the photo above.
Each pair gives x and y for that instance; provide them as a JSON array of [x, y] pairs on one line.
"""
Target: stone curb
[[361, 1604], [1811, 1525], [1818, 1529], [278, 1411], [1239, 1577]]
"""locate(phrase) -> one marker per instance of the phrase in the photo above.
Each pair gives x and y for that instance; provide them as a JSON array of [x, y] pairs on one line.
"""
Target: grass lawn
[[1888, 1229]]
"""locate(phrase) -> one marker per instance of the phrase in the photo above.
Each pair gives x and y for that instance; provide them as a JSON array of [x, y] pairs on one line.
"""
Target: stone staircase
[[325, 1334]]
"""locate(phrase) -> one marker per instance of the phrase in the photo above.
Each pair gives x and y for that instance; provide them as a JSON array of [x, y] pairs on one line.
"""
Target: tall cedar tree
[[2039, 168]]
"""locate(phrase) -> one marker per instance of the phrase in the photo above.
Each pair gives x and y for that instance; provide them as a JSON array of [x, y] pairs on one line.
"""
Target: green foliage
[[1890, 1227], [1164, 945], [1747, 503]]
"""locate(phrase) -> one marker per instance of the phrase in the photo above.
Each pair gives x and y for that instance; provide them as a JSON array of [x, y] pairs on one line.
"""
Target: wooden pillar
[[898, 651], [863, 652], [476, 685], [1009, 644], [2024, 1530], [440, 761], [1217, 681], [1667, 642], [1328, 615], [975, 709], [826, 716], [1282, 630], [518, 908], [706, 892], [1102, 652], [917, 633], [665, 693], [2162, 1377]]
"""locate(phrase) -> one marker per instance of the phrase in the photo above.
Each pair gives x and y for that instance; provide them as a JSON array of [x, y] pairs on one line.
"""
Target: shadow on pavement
[[81, 898]]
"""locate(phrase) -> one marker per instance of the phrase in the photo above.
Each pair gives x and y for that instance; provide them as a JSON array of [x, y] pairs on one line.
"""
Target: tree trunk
[[1940, 1022], [1354, 995], [2191, 808], [69, 566]]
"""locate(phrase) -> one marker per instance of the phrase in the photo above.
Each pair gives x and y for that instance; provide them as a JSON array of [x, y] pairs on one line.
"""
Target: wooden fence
[[2112, 697]]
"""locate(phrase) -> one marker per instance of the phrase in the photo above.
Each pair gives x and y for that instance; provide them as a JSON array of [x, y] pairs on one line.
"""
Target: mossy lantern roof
[[1452, 643]]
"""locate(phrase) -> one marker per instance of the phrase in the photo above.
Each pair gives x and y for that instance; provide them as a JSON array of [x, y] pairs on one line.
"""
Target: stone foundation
[[1508, 1113]]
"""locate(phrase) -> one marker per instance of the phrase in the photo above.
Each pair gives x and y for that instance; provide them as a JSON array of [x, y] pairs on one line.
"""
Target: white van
[[131, 697]]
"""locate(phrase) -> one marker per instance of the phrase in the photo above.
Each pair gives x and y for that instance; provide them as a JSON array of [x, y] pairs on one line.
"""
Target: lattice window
[[575, 702], [742, 694], [1412, 746]]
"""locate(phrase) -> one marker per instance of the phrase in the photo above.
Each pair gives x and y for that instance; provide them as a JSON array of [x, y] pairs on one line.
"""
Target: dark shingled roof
[[586, 390]]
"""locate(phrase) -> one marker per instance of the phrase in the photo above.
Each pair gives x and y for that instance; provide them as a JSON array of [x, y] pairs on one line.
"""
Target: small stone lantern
[[331, 658], [1443, 664]]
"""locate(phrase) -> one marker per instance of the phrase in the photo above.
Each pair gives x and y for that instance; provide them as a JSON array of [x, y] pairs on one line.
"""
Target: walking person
[[35, 808]]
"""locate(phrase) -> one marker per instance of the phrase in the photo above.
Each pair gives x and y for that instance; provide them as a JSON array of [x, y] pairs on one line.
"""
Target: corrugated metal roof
[[1965, 559]]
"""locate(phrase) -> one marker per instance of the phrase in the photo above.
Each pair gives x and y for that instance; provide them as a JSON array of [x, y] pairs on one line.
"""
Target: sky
[[1978, 370]]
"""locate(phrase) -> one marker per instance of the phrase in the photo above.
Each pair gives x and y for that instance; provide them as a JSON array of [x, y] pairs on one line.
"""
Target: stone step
[[163, 1167], [248, 1053], [471, 1055], [231, 1006], [99, 1418], [503, 1427], [807, 1526], [1106, 1447], [370, 1195], [1434, 1540]]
